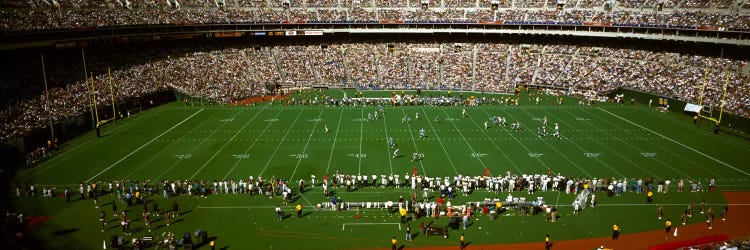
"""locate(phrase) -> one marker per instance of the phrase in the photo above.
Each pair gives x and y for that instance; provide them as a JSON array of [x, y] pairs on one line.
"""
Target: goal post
[[707, 110]]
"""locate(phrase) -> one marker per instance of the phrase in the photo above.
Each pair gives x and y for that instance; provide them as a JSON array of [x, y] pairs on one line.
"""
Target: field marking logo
[[450, 119], [271, 120], [648, 154], [183, 156], [582, 119], [299, 156], [359, 120], [358, 156], [241, 156], [592, 155], [316, 120], [535, 155], [227, 120], [478, 155]]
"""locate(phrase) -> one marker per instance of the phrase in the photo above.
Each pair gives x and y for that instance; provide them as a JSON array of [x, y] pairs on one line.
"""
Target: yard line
[[280, 143], [193, 148], [633, 147], [566, 205], [484, 131], [306, 144], [414, 142], [387, 150], [670, 152], [69, 152], [143, 146], [237, 163], [156, 155], [702, 131], [361, 126], [335, 138], [584, 150], [679, 143], [440, 141], [555, 149], [464, 138], [223, 146], [519, 142]]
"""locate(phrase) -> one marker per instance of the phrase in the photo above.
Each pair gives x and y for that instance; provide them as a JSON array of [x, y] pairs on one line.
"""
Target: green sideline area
[[178, 142]]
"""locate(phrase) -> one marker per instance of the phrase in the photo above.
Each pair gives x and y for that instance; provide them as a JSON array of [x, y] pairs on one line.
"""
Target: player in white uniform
[[390, 142], [369, 116], [403, 120], [486, 124], [544, 122], [325, 127], [395, 152], [557, 131], [463, 112], [421, 133], [437, 119], [416, 116]]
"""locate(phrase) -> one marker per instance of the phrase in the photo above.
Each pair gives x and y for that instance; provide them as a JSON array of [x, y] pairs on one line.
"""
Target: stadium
[[377, 124]]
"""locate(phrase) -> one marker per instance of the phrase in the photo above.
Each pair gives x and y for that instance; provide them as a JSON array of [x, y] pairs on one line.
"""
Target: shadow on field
[[64, 231]]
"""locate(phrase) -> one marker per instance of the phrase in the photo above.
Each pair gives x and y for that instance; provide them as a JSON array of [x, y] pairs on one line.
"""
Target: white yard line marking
[[361, 133], [237, 163], [306, 144], [143, 146], [555, 149], [424, 171], [464, 139], [597, 141], [676, 142], [560, 205], [668, 151], [225, 145], [387, 150], [634, 148], [440, 141], [156, 155], [484, 131], [84, 145], [517, 140], [343, 226], [279, 145], [200, 142], [742, 146], [335, 138]]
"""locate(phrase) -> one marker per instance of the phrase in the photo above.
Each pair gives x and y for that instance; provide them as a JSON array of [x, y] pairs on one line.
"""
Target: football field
[[178, 142]]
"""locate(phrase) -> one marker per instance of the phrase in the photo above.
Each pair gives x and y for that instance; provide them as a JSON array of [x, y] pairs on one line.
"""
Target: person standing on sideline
[[402, 212], [724, 212], [615, 231], [463, 245], [667, 227], [212, 244], [660, 211], [393, 243], [102, 220], [278, 213], [175, 209], [114, 208], [299, 210], [649, 197], [547, 242], [408, 232], [684, 218]]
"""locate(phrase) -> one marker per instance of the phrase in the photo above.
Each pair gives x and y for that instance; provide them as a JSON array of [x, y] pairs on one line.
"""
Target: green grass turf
[[177, 142]]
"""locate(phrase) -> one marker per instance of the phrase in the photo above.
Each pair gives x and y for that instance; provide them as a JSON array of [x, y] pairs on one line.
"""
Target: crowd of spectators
[[690, 14], [229, 74]]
